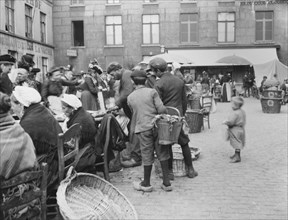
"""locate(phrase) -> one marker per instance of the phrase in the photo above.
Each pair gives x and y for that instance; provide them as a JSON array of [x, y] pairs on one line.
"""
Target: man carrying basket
[[172, 93], [145, 104]]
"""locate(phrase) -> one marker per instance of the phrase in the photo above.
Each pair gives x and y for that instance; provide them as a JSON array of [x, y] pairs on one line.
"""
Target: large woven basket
[[87, 196], [271, 105]]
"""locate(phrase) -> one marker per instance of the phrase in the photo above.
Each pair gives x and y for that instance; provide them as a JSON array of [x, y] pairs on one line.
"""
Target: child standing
[[145, 104], [236, 128]]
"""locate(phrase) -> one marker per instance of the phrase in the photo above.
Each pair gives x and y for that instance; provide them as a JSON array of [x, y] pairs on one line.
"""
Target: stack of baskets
[[87, 196]]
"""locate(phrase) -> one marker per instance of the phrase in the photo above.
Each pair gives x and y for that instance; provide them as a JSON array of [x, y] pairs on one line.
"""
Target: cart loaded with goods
[[87, 196]]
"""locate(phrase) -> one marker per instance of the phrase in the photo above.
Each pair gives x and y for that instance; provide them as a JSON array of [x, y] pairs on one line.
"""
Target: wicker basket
[[87, 196], [194, 119], [194, 103], [271, 105]]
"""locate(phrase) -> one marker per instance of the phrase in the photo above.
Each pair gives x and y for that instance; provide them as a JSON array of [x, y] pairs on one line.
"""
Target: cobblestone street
[[256, 188]]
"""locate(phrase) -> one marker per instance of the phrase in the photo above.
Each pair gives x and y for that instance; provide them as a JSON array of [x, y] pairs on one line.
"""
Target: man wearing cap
[[146, 104], [172, 92], [6, 63], [125, 88]]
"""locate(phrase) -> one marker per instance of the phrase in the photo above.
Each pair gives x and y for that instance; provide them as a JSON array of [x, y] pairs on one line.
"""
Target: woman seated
[[17, 156], [17, 149], [75, 113], [40, 124]]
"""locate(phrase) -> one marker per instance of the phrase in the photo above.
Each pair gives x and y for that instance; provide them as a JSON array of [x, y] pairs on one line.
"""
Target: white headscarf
[[72, 100], [26, 95]]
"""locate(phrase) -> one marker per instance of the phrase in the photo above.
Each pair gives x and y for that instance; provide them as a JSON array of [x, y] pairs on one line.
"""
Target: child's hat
[[238, 100]]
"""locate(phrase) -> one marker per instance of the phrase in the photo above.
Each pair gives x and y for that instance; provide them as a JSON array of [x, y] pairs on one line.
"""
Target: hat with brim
[[35, 70], [55, 69], [239, 101], [72, 100], [7, 59], [78, 74], [28, 60]]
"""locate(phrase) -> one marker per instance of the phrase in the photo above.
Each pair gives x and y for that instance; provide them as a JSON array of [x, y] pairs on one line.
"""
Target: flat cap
[[158, 63], [139, 73], [7, 59], [113, 67]]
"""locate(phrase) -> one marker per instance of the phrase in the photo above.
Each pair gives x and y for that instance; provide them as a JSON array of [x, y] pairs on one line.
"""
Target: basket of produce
[[271, 105], [169, 127], [87, 196]]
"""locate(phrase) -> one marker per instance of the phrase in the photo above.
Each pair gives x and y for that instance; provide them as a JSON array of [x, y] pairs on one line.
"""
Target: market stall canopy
[[235, 60], [169, 58], [268, 69], [210, 56]]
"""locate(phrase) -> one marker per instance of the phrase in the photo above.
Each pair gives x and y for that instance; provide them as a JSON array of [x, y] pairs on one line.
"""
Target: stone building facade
[[128, 31], [26, 28]]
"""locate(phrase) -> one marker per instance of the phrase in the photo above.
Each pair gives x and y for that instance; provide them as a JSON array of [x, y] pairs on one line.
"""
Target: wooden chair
[[206, 106], [72, 137], [28, 196]]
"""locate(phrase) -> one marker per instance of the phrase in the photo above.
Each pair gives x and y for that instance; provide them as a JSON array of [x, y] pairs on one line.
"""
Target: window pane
[[155, 18], [146, 34], [118, 35], [184, 17], [230, 16], [109, 35], [269, 15], [221, 16], [230, 32], [193, 32], [146, 19], [268, 35], [109, 20], [221, 32], [155, 33]]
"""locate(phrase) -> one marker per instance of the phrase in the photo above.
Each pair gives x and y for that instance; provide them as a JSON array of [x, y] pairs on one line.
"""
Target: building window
[[77, 2], [264, 25], [113, 30], [150, 29], [43, 27], [28, 21], [44, 65], [226, 27], [78, 33], [113, 1], [188, 28], [9, 10]]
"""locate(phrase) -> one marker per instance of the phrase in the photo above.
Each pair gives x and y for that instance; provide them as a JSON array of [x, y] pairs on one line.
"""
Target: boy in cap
[[6, 63], [145, 104]]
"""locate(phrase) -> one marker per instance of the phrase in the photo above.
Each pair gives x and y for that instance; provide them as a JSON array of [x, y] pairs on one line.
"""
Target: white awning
[[209, 57]]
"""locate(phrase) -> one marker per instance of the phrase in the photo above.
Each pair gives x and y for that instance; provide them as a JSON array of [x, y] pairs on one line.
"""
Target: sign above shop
[[72, 53]]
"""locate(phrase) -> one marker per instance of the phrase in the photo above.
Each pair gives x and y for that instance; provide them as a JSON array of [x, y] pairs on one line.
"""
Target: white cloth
[[26, 95], [72, 100]]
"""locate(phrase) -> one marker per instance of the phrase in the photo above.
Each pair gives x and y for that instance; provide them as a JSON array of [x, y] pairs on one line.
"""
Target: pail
[[168, 133], [271, 105], [194, 119]]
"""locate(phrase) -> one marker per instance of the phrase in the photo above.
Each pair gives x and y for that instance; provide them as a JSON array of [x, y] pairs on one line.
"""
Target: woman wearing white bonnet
[[176, 70], [40, 124], [72, 108]]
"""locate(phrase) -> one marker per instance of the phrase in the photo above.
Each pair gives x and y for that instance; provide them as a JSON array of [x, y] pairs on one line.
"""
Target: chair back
[[207, 102], [71, 138], [23, 182], [173, 111]]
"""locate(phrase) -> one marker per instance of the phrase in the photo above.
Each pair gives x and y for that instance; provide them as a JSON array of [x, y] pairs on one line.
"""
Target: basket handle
[[71, 174]]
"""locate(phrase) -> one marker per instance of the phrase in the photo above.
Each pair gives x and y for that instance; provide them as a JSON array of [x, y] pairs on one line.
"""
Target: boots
[[231, 157], [236, 158], [191, 173]]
